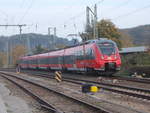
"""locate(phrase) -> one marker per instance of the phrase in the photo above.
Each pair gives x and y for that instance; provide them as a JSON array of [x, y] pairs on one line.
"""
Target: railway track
[[121, 89], [133, 79], [44, 102]]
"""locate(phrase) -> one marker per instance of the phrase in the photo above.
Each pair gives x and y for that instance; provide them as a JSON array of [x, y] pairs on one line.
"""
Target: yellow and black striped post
[[58, 76]]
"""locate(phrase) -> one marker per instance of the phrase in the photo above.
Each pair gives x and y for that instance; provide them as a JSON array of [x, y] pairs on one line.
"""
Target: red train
[[100, 55]]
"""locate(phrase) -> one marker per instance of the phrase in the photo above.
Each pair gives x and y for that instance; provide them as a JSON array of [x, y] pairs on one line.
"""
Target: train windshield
[[107, 48]]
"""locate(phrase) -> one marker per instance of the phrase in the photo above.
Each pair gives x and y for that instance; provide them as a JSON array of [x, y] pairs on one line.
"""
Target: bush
[[138, 62]]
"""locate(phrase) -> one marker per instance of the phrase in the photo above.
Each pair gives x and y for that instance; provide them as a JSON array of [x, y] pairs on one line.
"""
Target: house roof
[[133, 50]]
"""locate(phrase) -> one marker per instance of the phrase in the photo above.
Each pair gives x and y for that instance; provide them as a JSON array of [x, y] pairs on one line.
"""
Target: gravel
[[74, 90], [16, 101], [60, 102]]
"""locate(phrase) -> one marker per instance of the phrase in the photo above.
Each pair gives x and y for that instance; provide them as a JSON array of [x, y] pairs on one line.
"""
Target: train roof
[[100, 40], [86, 42]]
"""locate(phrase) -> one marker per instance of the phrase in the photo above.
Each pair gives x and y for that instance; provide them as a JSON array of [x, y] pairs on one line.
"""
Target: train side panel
[[102, 56]]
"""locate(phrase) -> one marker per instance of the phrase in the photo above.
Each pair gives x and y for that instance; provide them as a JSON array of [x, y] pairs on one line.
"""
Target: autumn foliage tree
[[17, 52], [3, 59], [61, 46], [106, 29], [39, 49]]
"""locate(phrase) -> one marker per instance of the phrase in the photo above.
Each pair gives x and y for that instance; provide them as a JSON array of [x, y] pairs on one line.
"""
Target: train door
[[60, 61], [84, 56], [63, 61], [74, 59]]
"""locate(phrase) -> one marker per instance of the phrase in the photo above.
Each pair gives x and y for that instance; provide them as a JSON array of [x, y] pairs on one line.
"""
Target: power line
[[123, 4], [78, 16], [130, 13], [113, 9], [4, 13], [120, 5], [81, 13], [99, 2], [26, 12], [74, 17], [22, 3]]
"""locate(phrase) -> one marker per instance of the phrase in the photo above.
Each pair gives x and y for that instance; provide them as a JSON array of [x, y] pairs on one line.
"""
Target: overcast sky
[[41, 14]]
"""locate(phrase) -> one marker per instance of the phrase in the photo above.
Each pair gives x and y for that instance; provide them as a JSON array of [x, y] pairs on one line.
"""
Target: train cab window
[[107, 48], [79, 55], [89, 53]]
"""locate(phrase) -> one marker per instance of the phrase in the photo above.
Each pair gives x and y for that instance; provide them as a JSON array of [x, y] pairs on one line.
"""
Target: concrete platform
[[2, 106], [10, 103]]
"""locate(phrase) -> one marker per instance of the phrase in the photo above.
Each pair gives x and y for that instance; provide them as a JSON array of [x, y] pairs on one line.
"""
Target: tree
[[39, 49], [18, 51], [106, 29], [60, 46], [3, 59]]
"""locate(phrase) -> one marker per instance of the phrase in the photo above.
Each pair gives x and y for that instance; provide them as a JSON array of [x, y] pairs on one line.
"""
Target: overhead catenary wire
[[82, 13], [3, 13], [113, 9], [72, 19], [22, 3], [27, 11], [130, 13], [123, 4], [99, 2]]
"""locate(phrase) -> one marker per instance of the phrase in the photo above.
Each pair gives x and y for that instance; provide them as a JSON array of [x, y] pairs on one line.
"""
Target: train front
[[109, 56]]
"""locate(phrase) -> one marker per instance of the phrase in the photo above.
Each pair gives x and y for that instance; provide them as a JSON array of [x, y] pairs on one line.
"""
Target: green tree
[[39, 49]]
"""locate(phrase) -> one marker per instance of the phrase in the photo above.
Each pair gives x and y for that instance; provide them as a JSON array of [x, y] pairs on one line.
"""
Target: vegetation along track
[[45, 95], [121, 89], [133, 79]]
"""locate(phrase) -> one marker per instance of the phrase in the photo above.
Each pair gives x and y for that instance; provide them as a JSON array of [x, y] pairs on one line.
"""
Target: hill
[[32, 40], [140, 35]]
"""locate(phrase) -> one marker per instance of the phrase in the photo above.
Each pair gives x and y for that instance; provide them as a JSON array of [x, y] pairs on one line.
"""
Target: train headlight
[[109, 58], [102, 57]]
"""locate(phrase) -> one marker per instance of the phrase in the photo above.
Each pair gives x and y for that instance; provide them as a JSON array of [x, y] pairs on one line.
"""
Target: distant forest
[[139, 35]]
